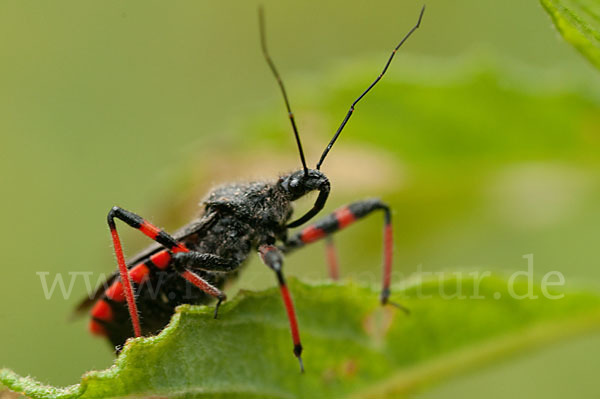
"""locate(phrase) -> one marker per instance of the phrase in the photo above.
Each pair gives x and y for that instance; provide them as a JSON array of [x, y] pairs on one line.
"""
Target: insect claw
[[401, 307], [217, 308], [301, 364]]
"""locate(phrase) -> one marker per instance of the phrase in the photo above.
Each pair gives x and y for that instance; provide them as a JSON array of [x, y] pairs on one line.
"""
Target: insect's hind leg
[[332, 259], [172, 246], [185, 263], [342, 218]]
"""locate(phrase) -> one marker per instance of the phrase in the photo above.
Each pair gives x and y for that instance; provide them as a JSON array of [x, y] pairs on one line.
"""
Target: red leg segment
[[123, 289], [272, 257], [332, 260], [206, 287], [131, 305]]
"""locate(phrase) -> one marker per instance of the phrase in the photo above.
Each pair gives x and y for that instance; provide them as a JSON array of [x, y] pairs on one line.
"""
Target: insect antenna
[[389, 61], [263, 42]]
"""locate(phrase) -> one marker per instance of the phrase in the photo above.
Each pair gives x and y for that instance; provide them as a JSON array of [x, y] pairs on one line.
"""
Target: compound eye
[[295, 186]]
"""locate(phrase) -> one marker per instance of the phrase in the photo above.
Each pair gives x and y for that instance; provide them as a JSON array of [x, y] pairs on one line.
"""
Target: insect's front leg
[[343, 218], [273, 258]]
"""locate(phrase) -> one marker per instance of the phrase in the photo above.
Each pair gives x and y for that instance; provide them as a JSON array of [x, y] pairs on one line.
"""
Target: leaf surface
[[353, 346]]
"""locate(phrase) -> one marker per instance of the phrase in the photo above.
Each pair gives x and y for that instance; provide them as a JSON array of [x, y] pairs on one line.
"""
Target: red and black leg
[[273, 258], [343, 218], [172, 255]]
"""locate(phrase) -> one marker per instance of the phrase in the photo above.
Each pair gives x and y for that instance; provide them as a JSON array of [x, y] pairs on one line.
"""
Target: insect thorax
[[263, 204]]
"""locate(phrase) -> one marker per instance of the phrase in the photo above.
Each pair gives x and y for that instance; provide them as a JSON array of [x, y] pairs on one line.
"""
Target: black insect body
[[192, 265]]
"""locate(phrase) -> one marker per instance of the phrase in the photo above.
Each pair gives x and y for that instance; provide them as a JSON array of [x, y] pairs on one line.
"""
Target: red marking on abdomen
[[139, 273], [149, 229], [344, 217], [96, 328], [161, 259], [115, 292], [102, 311], [311, 233]]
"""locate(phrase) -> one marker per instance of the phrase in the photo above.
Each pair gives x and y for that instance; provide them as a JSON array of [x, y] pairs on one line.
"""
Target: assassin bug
[[193, 264]]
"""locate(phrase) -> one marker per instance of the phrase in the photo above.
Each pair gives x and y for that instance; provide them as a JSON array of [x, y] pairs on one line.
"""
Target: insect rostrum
[[193, 264]]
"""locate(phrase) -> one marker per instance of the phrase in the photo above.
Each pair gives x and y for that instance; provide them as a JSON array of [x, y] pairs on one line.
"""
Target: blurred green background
[[484, 137]]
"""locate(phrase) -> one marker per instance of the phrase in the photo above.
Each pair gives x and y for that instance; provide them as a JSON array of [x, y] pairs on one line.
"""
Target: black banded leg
[[137, 222], [272, 257], [341, 219], [163, 238], [149, 230]]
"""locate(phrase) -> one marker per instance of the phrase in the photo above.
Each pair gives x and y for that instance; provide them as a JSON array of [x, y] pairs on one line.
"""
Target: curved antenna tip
[[351, 110], [421, 15], [263, 43]]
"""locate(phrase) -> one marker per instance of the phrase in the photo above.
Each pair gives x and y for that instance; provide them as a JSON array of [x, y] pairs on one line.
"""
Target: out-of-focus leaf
[[578, 21]]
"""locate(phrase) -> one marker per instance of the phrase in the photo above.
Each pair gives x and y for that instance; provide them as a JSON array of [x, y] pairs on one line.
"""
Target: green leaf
[[579, 23], [353, 346]]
